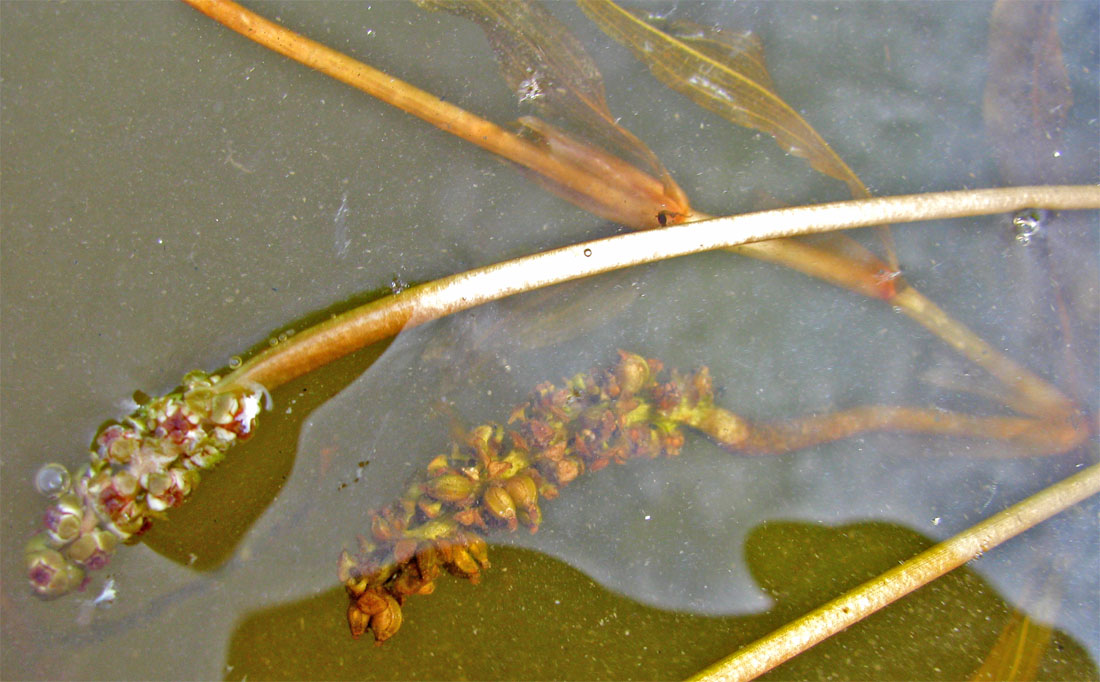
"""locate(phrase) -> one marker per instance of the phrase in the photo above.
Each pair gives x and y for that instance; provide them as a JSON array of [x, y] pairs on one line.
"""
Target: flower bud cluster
[[495, 476], [139, 468]]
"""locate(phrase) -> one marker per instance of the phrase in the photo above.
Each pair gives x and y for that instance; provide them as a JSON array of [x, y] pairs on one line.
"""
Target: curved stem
[[385, 317], [848, 609]]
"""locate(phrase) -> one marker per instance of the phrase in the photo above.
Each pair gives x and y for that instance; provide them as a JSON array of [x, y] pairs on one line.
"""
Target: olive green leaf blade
[[723, 72]]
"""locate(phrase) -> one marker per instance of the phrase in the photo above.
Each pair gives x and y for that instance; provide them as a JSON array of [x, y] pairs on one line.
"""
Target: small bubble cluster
[[1028, 223]]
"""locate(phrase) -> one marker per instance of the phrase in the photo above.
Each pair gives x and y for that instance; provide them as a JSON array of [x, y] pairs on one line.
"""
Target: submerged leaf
[[1028, 93], [723, 72], [548, 69]]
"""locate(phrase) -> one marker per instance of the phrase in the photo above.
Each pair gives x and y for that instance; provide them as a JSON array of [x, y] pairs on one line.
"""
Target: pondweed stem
[[798, 636], [385, 317]]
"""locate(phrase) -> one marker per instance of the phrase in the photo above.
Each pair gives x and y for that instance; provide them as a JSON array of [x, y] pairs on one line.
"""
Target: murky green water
[[172, 194]]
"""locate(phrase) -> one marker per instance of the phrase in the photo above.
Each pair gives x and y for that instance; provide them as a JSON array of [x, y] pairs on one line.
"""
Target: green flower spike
[[140, 467]]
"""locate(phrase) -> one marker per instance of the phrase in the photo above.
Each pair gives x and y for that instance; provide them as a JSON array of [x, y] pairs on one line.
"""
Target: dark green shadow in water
[[534, 617]]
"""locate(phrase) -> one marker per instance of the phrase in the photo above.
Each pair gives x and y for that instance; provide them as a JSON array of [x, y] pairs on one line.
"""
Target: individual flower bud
[[93, 549], [346, 568], [476, 545], [667, 396], [380, 573], [199, 400], [523, 490], [703, 385], [632, 373], [567, 469], [429, 508], [387, 622], [223, 408], [548, 490], [450, 487], [428, 561], [131, 518], [438, 465], [122, 449], [49, 573], [500, 505], [470, 516], [463, 564], [64, 518], [481, 440], [530, 517], [498, 468], [169, 489], [381, 529], [125, 484], [444, 549], [371, 602], [408, 582], [357, 621], [210, 454]]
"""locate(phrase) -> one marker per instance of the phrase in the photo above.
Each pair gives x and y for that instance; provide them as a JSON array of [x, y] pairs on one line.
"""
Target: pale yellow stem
[[844, 611], [383, 318]]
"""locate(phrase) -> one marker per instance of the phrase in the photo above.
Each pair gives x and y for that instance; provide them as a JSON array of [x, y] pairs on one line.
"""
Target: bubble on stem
[[52, 480], [1027, 224]]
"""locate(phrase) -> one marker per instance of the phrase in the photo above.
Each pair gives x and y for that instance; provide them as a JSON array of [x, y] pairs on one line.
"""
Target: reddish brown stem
[[1025, 436]]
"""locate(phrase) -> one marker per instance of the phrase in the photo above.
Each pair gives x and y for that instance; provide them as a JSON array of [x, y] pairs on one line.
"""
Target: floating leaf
[[723, 72]]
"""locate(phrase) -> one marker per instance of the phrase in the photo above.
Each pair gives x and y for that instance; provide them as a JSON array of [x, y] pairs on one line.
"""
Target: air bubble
[[587, 253], [234, 362], [530, 89], [1028, 223], [53, 480]]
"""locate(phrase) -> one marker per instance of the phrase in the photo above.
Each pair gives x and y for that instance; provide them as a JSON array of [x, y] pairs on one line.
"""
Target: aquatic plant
[[1029, 395]]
